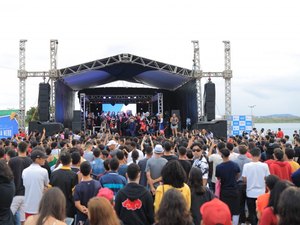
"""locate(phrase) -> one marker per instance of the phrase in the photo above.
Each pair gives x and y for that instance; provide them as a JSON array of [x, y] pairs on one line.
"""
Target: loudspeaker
[[76, 126], [76, 115], [44, 102], [209, 101], [209, 111], [51, 128], [218, 127]]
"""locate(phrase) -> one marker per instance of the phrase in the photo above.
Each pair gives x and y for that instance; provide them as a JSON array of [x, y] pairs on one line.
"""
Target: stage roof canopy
[[125, 67]]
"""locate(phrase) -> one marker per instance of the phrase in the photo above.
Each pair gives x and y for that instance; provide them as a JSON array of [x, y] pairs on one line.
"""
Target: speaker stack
[[44, 102], [209, 101]]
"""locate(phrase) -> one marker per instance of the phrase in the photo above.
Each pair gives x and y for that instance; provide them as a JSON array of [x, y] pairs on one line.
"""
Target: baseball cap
[[106, 193], [38, 154], [215, 212], [111, 142], [158, 149]]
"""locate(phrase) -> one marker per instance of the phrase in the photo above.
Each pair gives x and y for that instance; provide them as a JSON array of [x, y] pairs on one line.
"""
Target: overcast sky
[[264, 35]]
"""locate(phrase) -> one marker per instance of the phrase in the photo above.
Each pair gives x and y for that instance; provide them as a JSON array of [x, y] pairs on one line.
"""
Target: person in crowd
[[65, 179], [101, 212], [241, 160], [168, 155], [174, 124], [133, 145], [135, 157], [142, 164], [279, 133], [199, 193], [290, 154], [200, 160], [88, 153], [182, 159], [215, 212], [296, 177], [269, 214], [84, 191], [55, 150], [134, 204], [112, 147], [17, 165], [215, 159], [289, 213], [52, 160], [52, 209], [278, 167], [254, 175], [7, 190], [228, 172], [97, 163], [35, 180], [112, 179], [122, 163], [154, 167], [173, 201], [233, 155], [263, 200], [75, 165], [173, 176]]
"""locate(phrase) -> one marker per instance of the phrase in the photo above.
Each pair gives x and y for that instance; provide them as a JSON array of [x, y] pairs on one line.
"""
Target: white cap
[[158, 149], [111, 142]]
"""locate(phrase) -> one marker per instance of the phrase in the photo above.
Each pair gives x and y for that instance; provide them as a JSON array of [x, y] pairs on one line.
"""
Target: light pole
[[251, 108]]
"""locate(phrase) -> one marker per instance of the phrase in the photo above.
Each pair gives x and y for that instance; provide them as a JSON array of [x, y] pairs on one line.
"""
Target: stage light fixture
[[104, 97], [109, 97], [134, 97]]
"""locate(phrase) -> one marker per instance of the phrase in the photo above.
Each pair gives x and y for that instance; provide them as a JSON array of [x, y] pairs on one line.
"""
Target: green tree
[[32, 115]]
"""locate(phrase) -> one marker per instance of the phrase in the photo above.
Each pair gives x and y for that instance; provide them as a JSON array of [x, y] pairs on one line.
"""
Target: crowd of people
[[126, 124], [190, 178]]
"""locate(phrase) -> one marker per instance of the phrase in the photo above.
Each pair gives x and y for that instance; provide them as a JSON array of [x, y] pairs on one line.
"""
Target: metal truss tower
[[53, 75], [23, 75], [198, 74], [226, 74]]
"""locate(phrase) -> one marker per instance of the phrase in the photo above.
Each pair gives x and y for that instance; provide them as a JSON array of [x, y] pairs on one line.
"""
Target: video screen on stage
[[119, 108]]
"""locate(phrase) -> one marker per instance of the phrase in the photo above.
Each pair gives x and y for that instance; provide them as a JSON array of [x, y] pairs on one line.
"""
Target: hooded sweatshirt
[[134, 205], [281, 169]]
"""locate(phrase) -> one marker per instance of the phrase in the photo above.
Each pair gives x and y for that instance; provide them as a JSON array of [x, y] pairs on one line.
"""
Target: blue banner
[[8, 127]]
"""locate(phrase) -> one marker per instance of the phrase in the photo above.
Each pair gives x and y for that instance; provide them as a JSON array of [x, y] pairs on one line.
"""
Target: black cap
[[38, 154]]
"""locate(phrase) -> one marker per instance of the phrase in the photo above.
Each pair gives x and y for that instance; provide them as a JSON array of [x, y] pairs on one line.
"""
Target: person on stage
[[174, 124]]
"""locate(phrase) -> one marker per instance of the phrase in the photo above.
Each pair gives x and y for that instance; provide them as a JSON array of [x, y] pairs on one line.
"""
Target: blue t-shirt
[[97, 166], [123, 170], [227, 172], [113, 181]]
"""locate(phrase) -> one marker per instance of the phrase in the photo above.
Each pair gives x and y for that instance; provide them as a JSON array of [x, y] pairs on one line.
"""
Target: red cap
[[106, 193], [215, 212]]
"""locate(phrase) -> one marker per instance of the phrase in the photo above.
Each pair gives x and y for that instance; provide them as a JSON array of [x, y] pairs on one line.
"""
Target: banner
[[241, 124], [8, 126]]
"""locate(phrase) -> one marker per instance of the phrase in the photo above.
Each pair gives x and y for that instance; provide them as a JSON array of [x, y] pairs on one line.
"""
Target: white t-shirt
[[255, 172], [35, 179], [129, 158], [233, 156], [216, 159]]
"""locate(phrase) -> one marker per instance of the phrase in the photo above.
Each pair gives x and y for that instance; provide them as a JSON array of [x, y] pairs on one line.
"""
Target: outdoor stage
[[167, 89]]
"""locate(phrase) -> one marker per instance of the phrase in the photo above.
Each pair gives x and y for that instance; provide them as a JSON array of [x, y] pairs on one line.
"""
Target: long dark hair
[[275, 193], [134, 156], [5, 171], [173, 209], [289, 212], [173, 174], [196, 181], [53, 204]]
